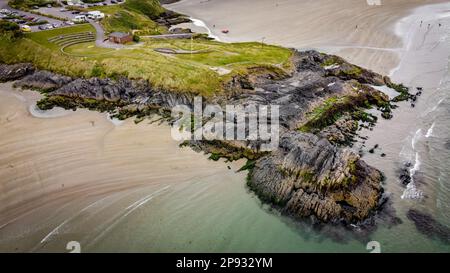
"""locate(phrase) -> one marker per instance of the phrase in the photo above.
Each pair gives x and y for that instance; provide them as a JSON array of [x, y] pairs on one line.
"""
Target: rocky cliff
[[310, 174]]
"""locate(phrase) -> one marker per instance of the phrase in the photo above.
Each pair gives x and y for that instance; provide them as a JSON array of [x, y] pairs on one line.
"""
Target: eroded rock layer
[[322, 100]]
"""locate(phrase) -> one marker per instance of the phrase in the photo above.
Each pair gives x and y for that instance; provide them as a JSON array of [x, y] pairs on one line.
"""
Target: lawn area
[[87, 50], [42, 37], [179, 72]]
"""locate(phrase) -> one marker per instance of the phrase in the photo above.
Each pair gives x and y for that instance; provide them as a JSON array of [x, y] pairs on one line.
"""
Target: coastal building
[[120, 37]]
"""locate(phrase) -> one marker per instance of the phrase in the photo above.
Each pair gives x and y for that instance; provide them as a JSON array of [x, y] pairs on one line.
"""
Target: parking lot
[[63, 12], [40, 22]]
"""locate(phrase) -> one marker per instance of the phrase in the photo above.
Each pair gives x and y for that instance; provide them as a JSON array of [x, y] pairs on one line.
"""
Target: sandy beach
[[362, 33], [72, 164]]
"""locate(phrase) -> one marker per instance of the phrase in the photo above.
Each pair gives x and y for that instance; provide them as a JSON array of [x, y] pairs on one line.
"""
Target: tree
[[10, 30]]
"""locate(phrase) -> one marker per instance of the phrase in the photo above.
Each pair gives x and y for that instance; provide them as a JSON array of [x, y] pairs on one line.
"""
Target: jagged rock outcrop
[[14, 71], [307, 176], [310, 174], [44, 81]]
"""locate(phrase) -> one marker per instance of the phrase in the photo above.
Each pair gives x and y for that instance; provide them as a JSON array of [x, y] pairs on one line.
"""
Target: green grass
[[42, 37], [180, 73], [87, 50], [151, 8], [326, 113], [128, 17], [27, 4]]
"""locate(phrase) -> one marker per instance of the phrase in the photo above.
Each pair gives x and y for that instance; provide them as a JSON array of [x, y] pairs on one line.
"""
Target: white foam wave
[[56, 230], [56, 112], [118, 218], [412, 192], [200, 23], [432, 109], [115, 121], [415, 138], [430, 131]]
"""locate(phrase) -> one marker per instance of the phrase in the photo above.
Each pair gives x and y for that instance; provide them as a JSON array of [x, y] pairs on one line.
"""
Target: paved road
[[101, 39], [4, 5]]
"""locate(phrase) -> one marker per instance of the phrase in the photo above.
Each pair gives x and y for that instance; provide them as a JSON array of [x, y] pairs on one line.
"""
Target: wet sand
[[352, 29], [55, 169]]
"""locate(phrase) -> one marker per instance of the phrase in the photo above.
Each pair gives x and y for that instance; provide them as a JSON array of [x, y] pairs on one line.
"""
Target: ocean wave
[[115, 121], [416, 138], [56, 112], [411, 191], [430, 131], [200, 23]]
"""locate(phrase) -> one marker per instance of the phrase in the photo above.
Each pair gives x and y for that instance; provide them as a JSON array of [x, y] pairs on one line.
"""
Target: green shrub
[[9, 30]]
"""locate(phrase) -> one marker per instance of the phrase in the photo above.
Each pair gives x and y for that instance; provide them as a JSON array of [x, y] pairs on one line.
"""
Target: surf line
[[200, 23]]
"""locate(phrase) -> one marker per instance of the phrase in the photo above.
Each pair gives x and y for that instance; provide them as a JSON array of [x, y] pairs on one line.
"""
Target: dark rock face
[[14, 72], [43, 80], [428, 226], [309, 174]]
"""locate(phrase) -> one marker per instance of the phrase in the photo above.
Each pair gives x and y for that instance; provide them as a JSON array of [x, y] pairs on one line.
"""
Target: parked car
[[35, 7], [95, 15], [79, 19], [25, 28], [56, 25], [69, 23], [113, 2], [49, 6], [5, 11], [63, 10], [45, 27], [75, 12], [40, 22]]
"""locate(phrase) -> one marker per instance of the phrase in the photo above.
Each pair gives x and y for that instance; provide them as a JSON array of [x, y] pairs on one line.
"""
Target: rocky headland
[[312, 174]]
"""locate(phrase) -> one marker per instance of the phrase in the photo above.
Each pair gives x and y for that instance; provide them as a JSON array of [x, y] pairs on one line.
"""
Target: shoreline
[[372, 45]]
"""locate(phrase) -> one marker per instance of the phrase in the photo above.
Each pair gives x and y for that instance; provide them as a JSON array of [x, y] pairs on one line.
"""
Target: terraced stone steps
[[72, 39]]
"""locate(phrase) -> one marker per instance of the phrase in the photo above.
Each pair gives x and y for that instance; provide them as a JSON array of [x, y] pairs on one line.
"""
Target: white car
[[79, 19], [95, 15]]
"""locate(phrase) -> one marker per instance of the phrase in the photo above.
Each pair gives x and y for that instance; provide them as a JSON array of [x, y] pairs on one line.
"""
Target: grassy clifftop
[[120, 18], [150, 8], [205, 72], [133, 16]]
